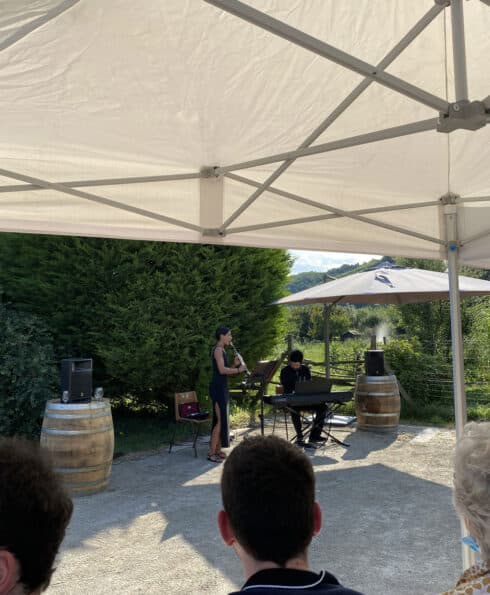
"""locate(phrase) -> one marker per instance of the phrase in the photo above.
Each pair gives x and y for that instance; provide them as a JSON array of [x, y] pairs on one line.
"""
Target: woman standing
[[218, 391]]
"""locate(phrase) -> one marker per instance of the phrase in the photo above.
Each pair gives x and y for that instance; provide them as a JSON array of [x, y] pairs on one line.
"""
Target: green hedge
[[28, 376]]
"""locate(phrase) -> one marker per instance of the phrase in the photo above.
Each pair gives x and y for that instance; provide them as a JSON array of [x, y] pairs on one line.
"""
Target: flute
[[240, 359]]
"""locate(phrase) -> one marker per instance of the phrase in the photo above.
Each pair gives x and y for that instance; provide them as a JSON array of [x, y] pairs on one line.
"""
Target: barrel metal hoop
[[83, 469], [58, 416], [373, 394], [365, 414], [78, 406], [98, 482], [75, 432]]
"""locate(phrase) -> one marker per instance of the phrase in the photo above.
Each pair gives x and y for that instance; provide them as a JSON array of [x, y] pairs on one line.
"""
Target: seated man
[[34, 513], [293, 373], [269, 532]]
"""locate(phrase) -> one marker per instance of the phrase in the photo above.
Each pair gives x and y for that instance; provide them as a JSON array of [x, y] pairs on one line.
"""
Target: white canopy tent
[[128, 109], [321, 124]]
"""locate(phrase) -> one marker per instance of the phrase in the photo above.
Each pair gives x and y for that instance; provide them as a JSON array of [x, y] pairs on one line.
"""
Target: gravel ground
[[389, 525]]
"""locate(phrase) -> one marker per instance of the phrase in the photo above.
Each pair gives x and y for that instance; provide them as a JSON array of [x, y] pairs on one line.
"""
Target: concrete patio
[[389, 525]]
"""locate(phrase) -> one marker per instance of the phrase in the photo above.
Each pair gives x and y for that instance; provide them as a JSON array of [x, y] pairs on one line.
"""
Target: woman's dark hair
[[221, 330], [268, 490], [34, 510]]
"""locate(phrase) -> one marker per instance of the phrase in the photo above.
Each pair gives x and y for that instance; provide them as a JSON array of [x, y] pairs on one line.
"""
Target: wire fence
[[436, 372], [426, 374]]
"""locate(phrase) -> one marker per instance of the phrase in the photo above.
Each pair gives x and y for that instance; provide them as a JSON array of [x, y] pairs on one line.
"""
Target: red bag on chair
[[188, 409]]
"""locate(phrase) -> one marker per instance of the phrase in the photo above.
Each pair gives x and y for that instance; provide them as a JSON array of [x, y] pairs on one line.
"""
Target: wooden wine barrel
[[377, 403], [80, 438]]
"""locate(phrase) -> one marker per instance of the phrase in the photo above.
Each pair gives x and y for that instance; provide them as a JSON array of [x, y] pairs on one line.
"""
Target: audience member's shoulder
[[474, 581]]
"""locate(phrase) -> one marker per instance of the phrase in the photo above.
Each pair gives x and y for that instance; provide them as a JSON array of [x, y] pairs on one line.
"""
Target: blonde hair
[[472, 482]]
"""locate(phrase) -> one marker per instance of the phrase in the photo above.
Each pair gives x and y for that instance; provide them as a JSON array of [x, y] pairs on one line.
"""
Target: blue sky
[[322, 261]]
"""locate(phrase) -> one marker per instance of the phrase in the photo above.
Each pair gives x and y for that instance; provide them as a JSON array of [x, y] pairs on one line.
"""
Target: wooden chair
[[187, 410]]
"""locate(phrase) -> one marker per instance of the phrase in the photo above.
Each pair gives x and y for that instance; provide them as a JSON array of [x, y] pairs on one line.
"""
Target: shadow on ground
[[363, 443], [154, 530]]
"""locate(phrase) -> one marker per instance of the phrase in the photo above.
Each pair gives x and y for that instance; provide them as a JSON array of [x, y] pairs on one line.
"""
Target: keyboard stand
[[308, 425], [328, 422], [326, 432]]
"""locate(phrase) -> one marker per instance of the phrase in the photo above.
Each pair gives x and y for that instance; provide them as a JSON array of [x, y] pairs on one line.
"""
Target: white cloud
[[305, 260]]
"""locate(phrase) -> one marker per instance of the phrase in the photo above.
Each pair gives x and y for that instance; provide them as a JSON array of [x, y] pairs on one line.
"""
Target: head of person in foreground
[[270, 514], [34, 513], [472, 483]]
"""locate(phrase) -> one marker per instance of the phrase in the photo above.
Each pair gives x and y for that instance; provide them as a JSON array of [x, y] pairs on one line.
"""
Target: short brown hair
[[268, 490], [34, 510]]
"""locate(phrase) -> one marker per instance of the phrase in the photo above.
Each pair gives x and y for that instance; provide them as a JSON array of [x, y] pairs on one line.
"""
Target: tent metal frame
[[36, 23], [264, 21], [371, 73], [59, 187]]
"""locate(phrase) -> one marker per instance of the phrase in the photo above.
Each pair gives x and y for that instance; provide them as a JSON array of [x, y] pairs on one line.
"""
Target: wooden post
[[358, 364], [373, 341]]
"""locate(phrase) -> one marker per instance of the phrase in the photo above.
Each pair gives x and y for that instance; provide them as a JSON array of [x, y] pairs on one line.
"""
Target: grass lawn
[[139, 432]]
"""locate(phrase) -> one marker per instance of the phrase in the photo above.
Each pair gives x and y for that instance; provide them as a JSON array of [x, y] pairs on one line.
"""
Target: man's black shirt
[[285, 580], [290, 376]]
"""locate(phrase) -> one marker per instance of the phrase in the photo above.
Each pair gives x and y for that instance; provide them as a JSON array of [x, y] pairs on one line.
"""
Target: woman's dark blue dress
[[218, 391]]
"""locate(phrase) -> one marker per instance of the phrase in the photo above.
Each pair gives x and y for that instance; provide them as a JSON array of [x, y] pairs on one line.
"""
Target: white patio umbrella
[[387, 285], [384, 284], [358, 124]]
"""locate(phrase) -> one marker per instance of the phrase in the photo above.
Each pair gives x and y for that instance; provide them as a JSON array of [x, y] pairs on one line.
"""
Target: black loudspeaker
[[374, 360], [76, 380]]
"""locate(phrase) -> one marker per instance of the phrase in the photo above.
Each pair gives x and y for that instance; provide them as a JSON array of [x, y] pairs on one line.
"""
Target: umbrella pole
[[326, 336], [457, 349]]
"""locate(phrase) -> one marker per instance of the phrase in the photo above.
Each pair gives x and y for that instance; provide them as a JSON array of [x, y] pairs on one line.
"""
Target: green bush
[[28, 376]]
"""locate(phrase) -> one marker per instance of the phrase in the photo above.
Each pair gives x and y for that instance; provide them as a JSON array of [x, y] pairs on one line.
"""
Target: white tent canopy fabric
[[390, 285], [130, 108]]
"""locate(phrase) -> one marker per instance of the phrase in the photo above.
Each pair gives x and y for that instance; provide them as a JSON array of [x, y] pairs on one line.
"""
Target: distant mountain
[[309, 279], [303, 281]]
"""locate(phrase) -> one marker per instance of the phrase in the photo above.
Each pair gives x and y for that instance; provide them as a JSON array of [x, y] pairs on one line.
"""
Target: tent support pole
[[457, 337], [459, 50], [450, 213]]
